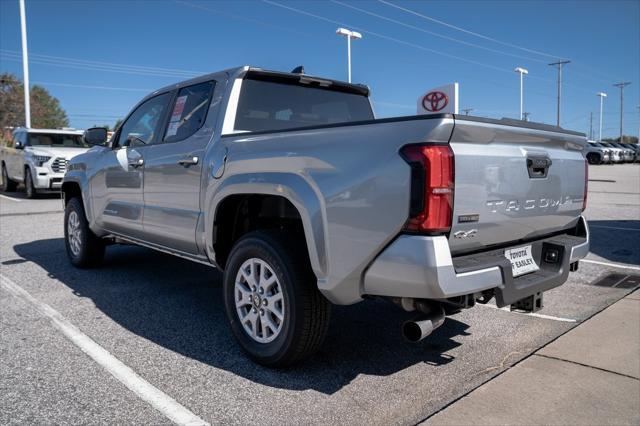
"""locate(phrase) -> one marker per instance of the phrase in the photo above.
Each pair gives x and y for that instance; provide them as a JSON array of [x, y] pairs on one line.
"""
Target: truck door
[[117, 185], [173, 171]]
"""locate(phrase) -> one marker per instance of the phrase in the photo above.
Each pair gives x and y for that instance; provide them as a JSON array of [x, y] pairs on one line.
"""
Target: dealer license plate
[[521, 260]]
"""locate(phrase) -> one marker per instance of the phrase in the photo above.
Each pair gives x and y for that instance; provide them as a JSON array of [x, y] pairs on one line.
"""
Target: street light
[[522, 72], [349, 35], [602, 95]]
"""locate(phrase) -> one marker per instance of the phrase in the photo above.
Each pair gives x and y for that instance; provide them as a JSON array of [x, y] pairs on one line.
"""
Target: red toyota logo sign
[[435, 101]]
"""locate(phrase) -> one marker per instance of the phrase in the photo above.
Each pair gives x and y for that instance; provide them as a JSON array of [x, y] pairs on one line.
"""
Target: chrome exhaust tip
[[416, 330]]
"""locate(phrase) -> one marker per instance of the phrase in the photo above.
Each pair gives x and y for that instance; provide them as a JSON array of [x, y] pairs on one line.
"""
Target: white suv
[[38, 158]]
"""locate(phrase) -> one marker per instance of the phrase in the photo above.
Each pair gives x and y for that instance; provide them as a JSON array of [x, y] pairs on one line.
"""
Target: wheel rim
[[73, 233], [259, 300]]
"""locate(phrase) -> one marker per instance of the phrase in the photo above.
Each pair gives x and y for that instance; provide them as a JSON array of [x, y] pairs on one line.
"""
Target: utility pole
[[559, 65], [467, 110], [622, 85], [25, 66], [525, 116], [591, 126], [602, 95]]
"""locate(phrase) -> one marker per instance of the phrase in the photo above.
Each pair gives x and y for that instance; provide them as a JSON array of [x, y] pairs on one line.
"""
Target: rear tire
[[274, 307], [84, 248], [29, 188], [7, 184]]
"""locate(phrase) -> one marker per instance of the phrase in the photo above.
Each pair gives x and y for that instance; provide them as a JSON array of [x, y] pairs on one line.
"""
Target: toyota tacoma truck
[[38, 158], [291, 186]]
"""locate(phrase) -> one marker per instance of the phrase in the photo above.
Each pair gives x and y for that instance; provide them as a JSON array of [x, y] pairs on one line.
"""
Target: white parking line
[[535, 314], [613, 265], [614, 227], [162, 402], [11, 199]]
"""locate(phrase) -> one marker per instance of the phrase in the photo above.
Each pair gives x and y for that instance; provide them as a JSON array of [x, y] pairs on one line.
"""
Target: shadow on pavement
[[616, 240], [178, 305], [20, 195]]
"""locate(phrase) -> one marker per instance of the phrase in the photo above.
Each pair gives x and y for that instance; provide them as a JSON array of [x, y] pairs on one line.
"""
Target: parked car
[[289, 184], [617, 153], [635, 149], [596, 154], [38, 158], [628, 153]]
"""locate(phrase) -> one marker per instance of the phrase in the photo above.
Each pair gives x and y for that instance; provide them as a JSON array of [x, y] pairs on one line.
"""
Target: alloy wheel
[[259, 300]]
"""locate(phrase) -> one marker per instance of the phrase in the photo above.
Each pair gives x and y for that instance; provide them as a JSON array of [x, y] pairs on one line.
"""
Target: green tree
[[46, 111]]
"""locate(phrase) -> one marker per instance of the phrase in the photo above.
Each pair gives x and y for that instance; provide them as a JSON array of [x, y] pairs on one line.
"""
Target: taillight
[[586, 184], [431, 205]]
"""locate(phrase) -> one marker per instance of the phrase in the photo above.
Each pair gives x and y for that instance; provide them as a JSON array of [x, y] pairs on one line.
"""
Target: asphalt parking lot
[[162, 318]]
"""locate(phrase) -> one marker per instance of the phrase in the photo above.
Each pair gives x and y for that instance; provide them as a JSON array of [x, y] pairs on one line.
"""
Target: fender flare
[[79, 178], [297, 190]]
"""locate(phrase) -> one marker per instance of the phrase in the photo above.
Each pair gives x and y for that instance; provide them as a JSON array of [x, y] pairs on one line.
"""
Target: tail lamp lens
[[431, 205], [586, 184]]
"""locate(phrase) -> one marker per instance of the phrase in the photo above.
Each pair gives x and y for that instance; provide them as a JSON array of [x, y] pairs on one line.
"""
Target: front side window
[[189, 111], [141, 128], [56, 140]]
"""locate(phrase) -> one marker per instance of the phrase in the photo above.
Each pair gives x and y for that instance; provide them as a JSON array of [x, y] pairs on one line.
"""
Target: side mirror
[[19, 145], [95, 136]]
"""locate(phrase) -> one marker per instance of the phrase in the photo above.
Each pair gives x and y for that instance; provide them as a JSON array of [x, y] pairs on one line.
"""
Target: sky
[[100, 57]]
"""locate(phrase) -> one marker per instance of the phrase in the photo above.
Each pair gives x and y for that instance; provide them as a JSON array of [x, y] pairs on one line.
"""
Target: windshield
[[56, 140]]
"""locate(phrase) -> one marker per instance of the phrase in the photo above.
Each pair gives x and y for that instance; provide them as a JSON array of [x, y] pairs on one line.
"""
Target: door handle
[[137, 162], [188, 161]]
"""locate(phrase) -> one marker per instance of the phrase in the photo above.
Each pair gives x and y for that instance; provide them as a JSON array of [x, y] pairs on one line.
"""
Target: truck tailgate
[[513, 183]]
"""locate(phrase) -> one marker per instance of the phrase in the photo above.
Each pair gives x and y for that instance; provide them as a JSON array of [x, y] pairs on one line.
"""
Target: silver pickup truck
[[290, 185]]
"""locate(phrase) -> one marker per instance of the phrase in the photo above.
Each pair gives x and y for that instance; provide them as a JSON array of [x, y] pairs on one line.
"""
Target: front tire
[[274, 307], [30, 189], [7, 184], [84, 248]]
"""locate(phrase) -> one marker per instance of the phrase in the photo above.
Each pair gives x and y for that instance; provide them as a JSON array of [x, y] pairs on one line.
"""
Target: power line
[[429, 18], [78, 64], [386, 37], [83, 86], [515, 46], [435, 34], [244, 18]]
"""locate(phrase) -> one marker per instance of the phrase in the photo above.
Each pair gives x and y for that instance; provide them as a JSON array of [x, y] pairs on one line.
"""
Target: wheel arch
[[293, 190]]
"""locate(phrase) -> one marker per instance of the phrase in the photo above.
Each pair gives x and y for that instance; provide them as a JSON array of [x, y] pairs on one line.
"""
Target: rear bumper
[[422, 267]]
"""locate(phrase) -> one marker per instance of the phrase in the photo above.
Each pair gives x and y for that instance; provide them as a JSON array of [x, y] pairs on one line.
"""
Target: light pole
[[602, 95], [522, 72], [25, 66], [349, 35]]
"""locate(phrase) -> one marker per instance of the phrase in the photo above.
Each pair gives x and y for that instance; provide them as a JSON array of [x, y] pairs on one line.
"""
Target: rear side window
[[267, 105], [189, 111]]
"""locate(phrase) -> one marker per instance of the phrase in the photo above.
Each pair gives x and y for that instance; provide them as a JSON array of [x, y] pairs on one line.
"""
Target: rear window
[[267, 105]]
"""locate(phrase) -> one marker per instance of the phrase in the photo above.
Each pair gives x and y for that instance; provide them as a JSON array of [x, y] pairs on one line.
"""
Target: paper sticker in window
[[178, 108], [173, 128]]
